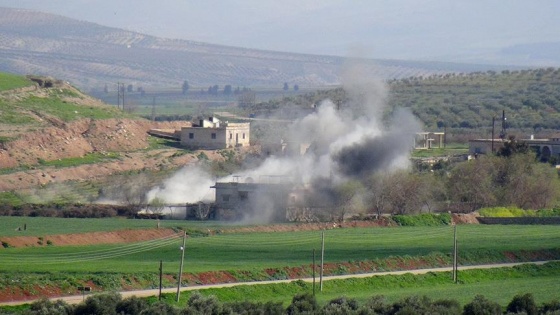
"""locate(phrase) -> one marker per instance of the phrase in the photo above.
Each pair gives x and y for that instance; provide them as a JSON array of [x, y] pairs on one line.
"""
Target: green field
[[499, 285], [42, 226], [256, 251], [12, 81]]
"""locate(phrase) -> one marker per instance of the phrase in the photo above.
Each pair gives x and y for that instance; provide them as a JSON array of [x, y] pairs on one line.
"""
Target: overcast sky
[[446, 30]]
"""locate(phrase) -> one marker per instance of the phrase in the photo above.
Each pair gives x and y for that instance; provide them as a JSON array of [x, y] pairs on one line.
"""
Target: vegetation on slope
[[530, 98], [12, 81]]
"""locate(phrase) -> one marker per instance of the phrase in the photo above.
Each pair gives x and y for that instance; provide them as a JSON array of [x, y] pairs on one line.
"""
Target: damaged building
[[266, 200]]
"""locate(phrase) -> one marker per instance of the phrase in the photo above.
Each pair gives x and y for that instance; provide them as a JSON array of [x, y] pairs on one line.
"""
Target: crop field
[[42, 226], [254, 251]]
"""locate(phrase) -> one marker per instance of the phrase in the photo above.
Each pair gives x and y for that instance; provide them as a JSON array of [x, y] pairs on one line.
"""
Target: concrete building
[[545, 148], [212, 134], [265, 201], [429, 140]]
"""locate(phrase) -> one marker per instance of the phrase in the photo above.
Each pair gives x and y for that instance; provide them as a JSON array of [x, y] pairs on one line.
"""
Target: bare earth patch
[[94, 238]]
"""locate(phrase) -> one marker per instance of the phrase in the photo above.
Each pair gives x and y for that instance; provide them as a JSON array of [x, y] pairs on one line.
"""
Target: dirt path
[[154, 292]]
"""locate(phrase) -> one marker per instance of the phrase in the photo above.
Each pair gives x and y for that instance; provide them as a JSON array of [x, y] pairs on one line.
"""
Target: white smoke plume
[[347, 141], [189, 185]]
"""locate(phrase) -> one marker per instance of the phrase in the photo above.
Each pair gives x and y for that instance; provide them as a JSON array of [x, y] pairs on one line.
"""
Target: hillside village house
[[545, 148], [213, 134]]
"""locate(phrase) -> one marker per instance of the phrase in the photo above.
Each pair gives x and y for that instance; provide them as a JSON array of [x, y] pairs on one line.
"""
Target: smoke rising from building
[[346, 141], [189, 185]]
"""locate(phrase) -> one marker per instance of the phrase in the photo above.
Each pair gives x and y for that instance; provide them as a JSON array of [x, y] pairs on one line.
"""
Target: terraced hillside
[[90, 56]]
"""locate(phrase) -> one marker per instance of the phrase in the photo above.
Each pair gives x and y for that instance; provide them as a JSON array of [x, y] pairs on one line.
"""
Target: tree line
[[304, 303]]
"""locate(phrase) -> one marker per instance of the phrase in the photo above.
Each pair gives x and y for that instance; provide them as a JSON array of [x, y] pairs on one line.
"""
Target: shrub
[[302, 303], [340, 305], [482, 306], [100, 304], [131, 306], [523, 303], [550, 307], [46, 307], [505, 212], [199, 304], [162, 308], [426, 219], [269, 308], [378, 305]]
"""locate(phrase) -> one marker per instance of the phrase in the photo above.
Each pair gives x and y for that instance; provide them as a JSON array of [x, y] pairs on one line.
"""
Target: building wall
[[228, 136], [246, 200]]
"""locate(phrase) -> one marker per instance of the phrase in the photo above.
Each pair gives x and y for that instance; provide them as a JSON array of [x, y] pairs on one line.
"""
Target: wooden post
[[322, 261], [314, 272], [181, 266], [160, 278]]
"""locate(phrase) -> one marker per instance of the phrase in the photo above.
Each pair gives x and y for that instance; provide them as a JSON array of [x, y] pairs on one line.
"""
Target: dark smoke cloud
[[378, 152]]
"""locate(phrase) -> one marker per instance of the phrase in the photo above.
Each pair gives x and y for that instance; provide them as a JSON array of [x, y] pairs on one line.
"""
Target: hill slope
[[54, 134], [90, 56]]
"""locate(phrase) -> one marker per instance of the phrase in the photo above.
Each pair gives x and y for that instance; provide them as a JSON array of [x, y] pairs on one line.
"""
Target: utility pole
[[181, 266], [118, 94], [493, 122], [322, 260], [160, 278], [154, 109], [313, 271], [455, 254]]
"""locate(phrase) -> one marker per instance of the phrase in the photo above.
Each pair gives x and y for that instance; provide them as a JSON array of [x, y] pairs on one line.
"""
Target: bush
[[302, 303], [378, 305], [482, 306], [269, 308], [162, 308], [131, 306], [550, 307], [523, 304], [199, 304], [340, 305], [46, 307], [505, 212], [99, 304], [426, 219]]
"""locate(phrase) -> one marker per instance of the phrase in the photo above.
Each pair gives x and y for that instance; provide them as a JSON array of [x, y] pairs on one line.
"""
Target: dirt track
[[154, 292]]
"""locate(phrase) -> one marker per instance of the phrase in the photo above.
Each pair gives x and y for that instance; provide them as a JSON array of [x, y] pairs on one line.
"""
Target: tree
[[512, 146], [296, 87], [523, 304], [247, 99], [286, 87], [156, 206], [130, 88], [345, 195], [227, 89], [185, 87], [470, 184]]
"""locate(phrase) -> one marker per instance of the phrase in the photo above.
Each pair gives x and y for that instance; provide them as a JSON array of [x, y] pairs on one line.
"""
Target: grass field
[[450, 149], [499, 285], [41, 226], [255, 251], [12, 81]]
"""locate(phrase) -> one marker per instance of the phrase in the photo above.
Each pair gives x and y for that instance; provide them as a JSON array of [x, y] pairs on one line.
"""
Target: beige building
[[545, 148], [213, 134]]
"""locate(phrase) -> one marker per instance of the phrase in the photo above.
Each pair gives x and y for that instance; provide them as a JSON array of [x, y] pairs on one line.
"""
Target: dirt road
[[145, 293]]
